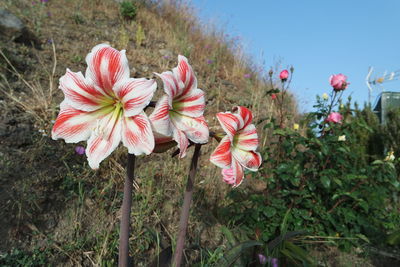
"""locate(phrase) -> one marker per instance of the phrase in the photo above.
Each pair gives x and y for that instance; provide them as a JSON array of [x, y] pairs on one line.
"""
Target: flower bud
[[284, 75]]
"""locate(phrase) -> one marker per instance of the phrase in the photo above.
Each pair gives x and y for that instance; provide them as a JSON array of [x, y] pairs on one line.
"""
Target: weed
[[128, 10], [140, 36]]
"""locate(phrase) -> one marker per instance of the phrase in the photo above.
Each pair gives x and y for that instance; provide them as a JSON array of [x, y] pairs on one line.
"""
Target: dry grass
[[83, 205]]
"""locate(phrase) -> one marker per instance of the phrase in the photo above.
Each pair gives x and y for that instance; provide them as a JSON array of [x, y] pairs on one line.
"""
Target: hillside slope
[[54, 208]]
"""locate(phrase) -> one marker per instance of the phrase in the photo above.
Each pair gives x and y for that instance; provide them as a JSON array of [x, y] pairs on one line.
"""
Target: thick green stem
[[126, 213], [183, 223]]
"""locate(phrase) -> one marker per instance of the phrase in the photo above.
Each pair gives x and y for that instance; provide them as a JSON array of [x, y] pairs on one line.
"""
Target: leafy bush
[[17, 257], [128, 10], [332, 177]]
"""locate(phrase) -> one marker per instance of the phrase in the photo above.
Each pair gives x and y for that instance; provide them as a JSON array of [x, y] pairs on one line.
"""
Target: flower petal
[[182, 141], [249, 159], [137, 135], [245, 114], [105, 139], [247, 139], [184, 73], [228, 176], [172, 86], [191, 104], [106, 66], [222, 156], [238, 172], [74, 125], [229, 122], [135, 94], [81, 94], [195, 129], [163, 143], [160, 117]]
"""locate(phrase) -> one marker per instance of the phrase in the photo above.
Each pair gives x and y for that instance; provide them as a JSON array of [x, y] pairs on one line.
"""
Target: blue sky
[[318, 38]]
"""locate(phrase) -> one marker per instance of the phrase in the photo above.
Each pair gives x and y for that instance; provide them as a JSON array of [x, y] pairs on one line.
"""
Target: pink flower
[[262, 259], [236, 151], [284, 75], [338, 82], [178, 114], [273, 96], [335, 117], [105, 107], [80, 150]]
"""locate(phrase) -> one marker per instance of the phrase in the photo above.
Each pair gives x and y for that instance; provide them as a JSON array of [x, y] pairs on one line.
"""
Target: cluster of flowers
[[339, 83], [106, 106]]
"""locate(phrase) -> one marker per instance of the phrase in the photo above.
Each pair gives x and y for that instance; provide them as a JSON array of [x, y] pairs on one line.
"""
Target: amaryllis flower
[[284, 75], [338, 82], [105, 106], [334, 117], [179, 113], [236, 151]]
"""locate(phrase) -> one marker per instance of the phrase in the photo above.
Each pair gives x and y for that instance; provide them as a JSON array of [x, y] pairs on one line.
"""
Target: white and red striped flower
[[105, 107], [179, 113], [236, 151]]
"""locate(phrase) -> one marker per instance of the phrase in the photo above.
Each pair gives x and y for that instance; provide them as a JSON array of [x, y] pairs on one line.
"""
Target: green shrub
[[332, 187], [128, 10]]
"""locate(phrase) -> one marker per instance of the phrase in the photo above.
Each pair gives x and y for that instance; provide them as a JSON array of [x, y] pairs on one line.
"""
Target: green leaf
[[298, 253], [394, 238], [326, 182], [363, 237], [280, 132], [234, 253], [337, 181], [229, 236], [269, 211]]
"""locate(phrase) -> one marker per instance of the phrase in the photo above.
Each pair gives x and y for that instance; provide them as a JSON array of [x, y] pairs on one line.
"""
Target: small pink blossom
[[335, 117], [262, 259], [338, 82], [273, 96], [80, 150], [247, 75], [284, 75]]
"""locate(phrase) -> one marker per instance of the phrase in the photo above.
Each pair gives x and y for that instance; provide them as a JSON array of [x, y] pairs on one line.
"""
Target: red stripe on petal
[[171, 83], [107, 66], [135, 94], [186, 74], [222, 156], [238, 172], [195, 129], [247, 139], [249, 159], [229, 123], [182, 141], [74, 125], [80, 94], [245, 114], [191, 104], [160, 117], [105, 139], [137, 135]]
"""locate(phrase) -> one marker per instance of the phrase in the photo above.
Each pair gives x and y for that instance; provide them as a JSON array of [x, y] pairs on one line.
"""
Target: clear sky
[[317, 37]]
